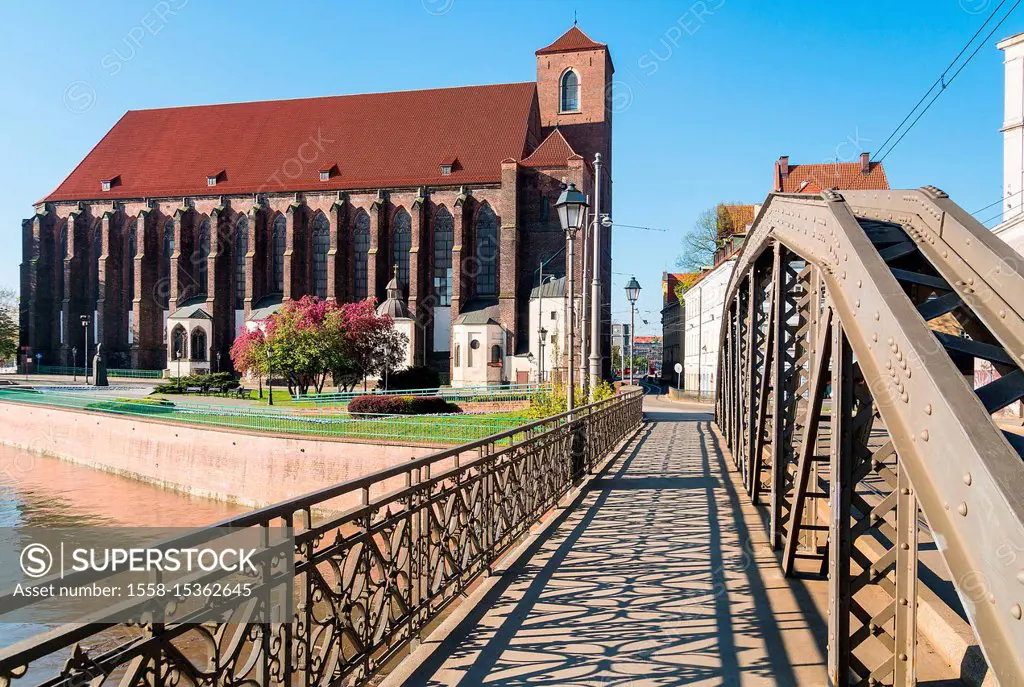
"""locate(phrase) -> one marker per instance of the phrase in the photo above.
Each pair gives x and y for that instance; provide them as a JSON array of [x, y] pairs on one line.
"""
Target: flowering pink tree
[[249, 354], [310, 338], [372, 345]]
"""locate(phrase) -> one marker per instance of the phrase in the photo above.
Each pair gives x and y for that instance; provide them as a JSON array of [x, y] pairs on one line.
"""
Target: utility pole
[[584, 307], [595, 284]]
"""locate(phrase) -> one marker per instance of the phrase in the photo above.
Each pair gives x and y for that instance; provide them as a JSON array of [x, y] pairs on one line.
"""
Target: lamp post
[[595, 284], [74, 363], [632, 293], [85, 340], [571, 208], [542, 336], [270, 375]]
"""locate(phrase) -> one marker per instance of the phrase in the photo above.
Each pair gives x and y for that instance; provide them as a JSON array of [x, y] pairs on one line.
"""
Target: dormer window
[[213, 178], [107, 184], [448, 166], [328, 172], [569, 100]]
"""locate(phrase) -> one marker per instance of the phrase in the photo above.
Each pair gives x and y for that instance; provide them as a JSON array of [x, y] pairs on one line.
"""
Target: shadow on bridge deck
[[658, 573]]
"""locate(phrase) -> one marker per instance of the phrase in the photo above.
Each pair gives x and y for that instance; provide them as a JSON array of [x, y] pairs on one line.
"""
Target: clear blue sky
[[705, 106]]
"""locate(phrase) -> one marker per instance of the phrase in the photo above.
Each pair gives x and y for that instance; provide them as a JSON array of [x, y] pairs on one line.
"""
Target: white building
[[544, 361], [703, 305], [1011, 229]]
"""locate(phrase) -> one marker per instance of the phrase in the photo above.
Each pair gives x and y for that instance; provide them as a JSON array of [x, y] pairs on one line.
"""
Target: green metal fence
[[508, 392], [441, 430], [111, 372]]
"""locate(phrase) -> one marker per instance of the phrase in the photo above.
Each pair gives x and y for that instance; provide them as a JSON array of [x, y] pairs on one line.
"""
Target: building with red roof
[[185, 224], [863, 175]]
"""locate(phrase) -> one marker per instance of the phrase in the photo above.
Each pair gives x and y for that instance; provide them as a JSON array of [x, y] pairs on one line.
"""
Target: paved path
[[659, 574]]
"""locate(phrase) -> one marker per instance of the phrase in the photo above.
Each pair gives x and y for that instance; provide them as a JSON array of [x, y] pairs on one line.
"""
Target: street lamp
[[270, 375], [632, 293], [542, 337], [571, 207], [85, 339]]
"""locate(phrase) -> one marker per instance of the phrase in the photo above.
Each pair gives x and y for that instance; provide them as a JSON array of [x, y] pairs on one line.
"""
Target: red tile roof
[[838, 175], [570, 41], [376, 140], [554, 151]]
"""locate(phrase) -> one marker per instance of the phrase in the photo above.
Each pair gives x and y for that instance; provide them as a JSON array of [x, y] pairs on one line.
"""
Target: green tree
[[709, 233], [8, 325]]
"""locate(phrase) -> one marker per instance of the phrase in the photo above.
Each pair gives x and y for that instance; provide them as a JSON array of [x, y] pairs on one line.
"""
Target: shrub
[[414, 378], [546, 404], [218, 382], [134, 406], [379, 404]]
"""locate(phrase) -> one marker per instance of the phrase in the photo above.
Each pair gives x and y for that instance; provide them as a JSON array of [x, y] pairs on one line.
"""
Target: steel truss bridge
[[853, 325]]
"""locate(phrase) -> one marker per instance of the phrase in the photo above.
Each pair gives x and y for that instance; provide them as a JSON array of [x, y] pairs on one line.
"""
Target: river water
[[39, 491]]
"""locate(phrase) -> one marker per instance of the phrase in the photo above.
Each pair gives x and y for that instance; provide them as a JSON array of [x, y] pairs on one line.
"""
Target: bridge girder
[[842, 399]]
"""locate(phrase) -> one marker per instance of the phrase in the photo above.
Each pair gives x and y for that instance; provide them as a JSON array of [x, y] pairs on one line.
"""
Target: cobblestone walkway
[[657, 575]]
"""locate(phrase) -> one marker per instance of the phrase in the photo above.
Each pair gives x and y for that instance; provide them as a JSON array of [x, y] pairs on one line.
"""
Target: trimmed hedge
[[414, 378], [134, 406], [401, 405], [218, 382]]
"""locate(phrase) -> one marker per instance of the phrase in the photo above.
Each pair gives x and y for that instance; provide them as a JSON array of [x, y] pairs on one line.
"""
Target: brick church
[[184, 225]]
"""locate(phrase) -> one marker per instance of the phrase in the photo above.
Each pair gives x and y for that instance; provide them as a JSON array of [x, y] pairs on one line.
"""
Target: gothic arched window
[[401, 243], [278, 239], [178, 350], [444, 240], [570, 100], [132, 251], [202, 256], [321, 246], [241, 248], [94, 263], [361, 246], [198, 344], [487, 252], [165, 265]]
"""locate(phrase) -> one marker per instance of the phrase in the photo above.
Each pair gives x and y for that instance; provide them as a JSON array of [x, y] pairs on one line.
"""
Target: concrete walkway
[[658, 574]]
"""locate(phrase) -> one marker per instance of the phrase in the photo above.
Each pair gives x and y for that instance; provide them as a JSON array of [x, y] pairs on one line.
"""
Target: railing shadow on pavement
[[635, 579]]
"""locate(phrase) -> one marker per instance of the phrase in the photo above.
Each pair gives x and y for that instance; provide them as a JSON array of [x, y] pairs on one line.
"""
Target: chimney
[[784, 165], [865, 163]]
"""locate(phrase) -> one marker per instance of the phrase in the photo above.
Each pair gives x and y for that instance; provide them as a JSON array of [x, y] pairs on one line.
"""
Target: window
[[278, 239], [132, 249], [545, 208], [321, 246], [202, 256], [361, 246], [325, 175], [570, 92], [94, 265], [168, 251], [105, 185], [178, 343], [211, 181], [457, 358], [241, 248], [198, 344], [473, 345], [552, 314], [401, 242], [487, 252], [446, 170], [444, 240], [496, 354]]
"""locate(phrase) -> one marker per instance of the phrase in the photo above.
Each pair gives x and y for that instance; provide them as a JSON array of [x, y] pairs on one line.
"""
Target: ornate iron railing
[[377, 559]]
